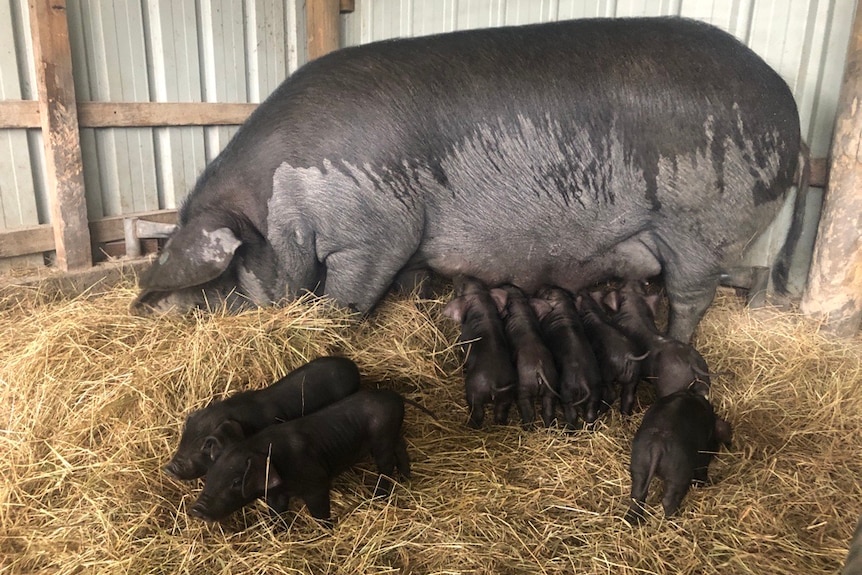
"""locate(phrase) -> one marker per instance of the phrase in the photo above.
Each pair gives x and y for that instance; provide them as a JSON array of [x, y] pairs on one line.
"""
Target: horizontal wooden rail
[[19, 114], [25, 114], [36, 239], [24, 241]]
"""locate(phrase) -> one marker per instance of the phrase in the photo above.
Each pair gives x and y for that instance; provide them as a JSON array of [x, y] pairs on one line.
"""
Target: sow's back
[[562, 153]]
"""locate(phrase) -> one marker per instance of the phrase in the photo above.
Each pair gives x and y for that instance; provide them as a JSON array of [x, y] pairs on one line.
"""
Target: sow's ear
[[193, 256]]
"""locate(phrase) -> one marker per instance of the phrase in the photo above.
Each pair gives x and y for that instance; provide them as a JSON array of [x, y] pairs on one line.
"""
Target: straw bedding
[[92, 401]]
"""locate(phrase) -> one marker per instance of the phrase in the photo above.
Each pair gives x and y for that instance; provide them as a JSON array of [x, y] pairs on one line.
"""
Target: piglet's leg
[[477, 408], [627, 396], [501, 412], [674, 493], [525, 406], [549, 407], [701, 474], [317, 502], [402, 460], [277, 501], [636, 514], [385, 456]]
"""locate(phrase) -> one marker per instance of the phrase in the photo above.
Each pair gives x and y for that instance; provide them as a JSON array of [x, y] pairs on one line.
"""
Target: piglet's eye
[[237, 483]]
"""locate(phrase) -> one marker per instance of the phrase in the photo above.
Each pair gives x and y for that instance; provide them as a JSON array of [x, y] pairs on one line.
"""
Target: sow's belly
[[531, 262]]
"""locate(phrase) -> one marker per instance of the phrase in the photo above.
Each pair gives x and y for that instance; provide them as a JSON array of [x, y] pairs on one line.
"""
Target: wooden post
[[59, 120], [322, 27], [834, 291]]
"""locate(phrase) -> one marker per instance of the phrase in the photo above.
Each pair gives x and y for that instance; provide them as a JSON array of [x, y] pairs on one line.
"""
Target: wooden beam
[[819, 173], [834, 290], [20, 114], [140, 114], [25, 114], [38, 239], [59, 119], [322, 24], [25, 241], [111, 229]]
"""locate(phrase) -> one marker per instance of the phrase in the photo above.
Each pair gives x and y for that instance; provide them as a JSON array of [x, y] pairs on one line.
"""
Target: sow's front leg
[[359, 278]]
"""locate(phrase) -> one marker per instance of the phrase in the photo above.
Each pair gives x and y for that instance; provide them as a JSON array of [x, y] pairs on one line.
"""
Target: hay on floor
[[92, 401]]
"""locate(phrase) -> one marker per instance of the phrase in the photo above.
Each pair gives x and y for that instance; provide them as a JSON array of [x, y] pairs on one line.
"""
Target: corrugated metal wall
[[169, 51], [804, 40], [22, 189], [238, 51]]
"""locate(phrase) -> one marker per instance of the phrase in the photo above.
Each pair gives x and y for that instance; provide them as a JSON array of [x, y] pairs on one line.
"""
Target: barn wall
[[23, 200], [804, 40], [168, 51], [143, 51]]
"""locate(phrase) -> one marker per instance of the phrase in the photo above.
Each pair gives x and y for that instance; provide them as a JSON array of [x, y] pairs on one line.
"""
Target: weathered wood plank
[[19, 114], [111, 229], [25, 114], [834, 291], [24, 241], [59, 121], [140, 114], [37, 239], [819, 173], [322, 27]]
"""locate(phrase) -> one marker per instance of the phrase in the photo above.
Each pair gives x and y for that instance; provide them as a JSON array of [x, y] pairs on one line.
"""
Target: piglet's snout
[[199, 511], [172, 469]]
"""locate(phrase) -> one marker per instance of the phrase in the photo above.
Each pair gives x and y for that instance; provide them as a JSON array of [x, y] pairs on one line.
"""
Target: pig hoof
[[327, 524], [570, 429], [634, 518]]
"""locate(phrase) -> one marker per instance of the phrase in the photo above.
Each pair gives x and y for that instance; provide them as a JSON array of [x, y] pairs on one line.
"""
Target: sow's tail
[[781, 268]]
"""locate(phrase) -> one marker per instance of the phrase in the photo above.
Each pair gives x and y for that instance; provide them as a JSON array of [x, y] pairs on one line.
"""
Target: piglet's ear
[[723, 432], [500, 297], [260, 475], [212, 447], [230, 428], [540, 307], [612, 300], [652, 301], [193, 256], [455, 309]]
